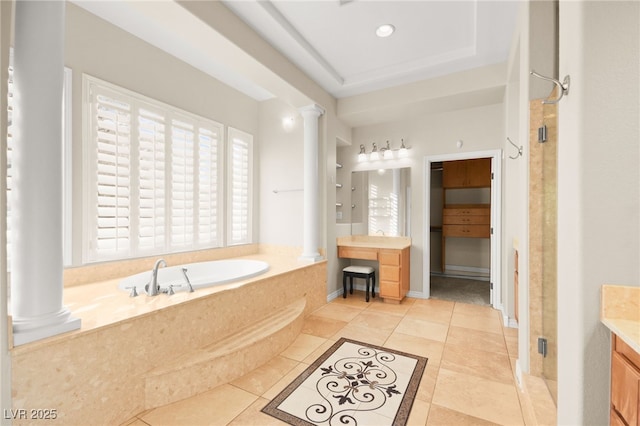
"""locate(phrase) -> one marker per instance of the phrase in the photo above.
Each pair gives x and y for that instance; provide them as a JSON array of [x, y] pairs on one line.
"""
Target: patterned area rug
[[352, 383]]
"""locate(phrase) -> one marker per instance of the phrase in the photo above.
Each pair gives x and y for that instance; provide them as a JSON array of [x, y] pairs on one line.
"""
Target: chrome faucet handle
[[170, 290], [134, 291], [186, 277]]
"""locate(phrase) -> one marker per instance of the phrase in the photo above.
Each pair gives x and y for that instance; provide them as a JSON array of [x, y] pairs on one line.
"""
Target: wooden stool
[[366, 272]]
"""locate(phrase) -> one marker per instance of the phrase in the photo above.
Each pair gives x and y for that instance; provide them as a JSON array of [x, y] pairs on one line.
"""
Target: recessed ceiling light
[[385, 30]]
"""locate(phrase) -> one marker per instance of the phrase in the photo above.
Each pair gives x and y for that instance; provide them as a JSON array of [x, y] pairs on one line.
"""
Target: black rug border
[[402, 415]]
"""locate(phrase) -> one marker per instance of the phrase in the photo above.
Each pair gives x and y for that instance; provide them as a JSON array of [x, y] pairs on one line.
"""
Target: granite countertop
[[620, 312], [374, 241]]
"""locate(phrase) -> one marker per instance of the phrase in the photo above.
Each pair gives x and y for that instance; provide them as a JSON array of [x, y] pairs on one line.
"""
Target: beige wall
[[598, 193], [102, 50], [480, 128]]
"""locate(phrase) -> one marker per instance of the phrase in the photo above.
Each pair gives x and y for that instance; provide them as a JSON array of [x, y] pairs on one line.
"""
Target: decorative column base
[[30, 330], [311, 258]]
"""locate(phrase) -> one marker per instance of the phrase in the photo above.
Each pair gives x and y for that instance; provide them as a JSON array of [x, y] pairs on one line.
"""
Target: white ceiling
[[334, 41]]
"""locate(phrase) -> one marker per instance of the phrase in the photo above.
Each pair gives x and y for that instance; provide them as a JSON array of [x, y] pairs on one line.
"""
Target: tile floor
[[469, 377]]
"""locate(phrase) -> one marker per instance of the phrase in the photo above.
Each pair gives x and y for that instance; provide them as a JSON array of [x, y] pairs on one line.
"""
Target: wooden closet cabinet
[[625, 384], [465, 220], [467, 173]]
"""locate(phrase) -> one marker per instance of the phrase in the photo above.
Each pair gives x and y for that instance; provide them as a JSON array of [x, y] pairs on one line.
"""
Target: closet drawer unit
[[467, 211], [389, 257], [468, 231], [466, 220], [358, 253], [389, 273]]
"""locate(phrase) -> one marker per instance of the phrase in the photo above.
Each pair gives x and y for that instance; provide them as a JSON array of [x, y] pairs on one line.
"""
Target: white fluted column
[[37, 265], [311, 223]]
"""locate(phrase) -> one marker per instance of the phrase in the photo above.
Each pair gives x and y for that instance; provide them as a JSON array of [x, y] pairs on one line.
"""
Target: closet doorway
[[462, 223]]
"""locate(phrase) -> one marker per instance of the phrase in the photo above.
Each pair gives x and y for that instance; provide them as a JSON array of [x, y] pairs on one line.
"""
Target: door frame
[[496, 220]]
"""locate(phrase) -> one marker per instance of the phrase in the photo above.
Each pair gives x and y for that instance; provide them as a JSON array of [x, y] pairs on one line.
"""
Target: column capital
[[313, 109]]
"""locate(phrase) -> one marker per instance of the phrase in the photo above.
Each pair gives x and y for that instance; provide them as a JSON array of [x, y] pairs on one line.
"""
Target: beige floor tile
[[356, 300], [253, 416], [318, 352], [537, 391], [490, 365], [134, 422], [478, 397], [376, 320], [337, 311], [421, 328], [477, 310], [441, 416], [302, 347], [428, 383], [390, 308], [218, 406], [432, 310], [363, 334], [488, 323], [322, 326], [264, 377], [476, 339], [417, 346], [419, 413], [512, 345], [284, 382]]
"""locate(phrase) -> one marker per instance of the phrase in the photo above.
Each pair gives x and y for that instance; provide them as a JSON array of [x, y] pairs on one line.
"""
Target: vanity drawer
[[389, 257], [469, 231], [390, 289], [358, 253], [389, 273]]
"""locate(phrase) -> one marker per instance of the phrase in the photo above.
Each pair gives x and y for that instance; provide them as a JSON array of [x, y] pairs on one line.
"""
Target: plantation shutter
[[208, 184], [182, 184], [240, 180], [151, 180], [113, 170]]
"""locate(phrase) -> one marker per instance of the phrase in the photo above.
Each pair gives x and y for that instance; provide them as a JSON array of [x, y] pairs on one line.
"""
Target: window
[[154, 176], [66, 162], [240, 185]]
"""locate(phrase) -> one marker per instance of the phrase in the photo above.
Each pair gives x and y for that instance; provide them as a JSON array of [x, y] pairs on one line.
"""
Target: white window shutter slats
[[156, 173], [241, 145]]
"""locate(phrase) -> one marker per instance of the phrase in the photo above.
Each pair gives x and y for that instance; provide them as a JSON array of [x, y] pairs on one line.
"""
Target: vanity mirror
[[381, 202]]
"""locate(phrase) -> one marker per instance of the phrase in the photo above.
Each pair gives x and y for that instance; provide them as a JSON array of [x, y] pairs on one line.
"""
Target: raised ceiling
[[334, 41]]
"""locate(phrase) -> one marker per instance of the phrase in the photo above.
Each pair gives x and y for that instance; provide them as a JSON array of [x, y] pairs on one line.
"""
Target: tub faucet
[[381, 231], [153, 287]]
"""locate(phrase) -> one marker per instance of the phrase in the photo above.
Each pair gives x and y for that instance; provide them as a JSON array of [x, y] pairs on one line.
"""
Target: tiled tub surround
[[133, 354]]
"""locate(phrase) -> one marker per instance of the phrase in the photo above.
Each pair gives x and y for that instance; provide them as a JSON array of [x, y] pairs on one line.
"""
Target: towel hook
[[563, 87], [517, 147]]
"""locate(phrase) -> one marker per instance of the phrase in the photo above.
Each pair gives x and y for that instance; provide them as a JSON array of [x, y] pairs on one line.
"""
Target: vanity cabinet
[[625, 384], [394, 273], [393, 256]]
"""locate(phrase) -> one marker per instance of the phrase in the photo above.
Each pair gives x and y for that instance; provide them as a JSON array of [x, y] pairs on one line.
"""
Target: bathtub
[[202, 274]]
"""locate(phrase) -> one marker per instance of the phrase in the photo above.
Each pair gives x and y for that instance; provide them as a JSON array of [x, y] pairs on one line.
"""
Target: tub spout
[[186, 278], [153, 288]]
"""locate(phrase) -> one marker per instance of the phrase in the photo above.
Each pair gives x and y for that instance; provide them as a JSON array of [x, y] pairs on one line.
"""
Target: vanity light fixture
[[387, 154], [363, 155], [403, 149], [385, 30], [374, 156]]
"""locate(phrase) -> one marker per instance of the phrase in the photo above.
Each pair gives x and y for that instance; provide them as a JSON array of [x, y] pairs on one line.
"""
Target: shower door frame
[[496, 220]]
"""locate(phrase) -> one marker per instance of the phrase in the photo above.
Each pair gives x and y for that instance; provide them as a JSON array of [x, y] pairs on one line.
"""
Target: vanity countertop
[[620, 312], [374, 241]]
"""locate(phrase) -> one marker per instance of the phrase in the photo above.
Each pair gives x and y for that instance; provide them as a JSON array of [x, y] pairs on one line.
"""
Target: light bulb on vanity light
[[374, 156], [403, 150], [387, 153], [362, 156]]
